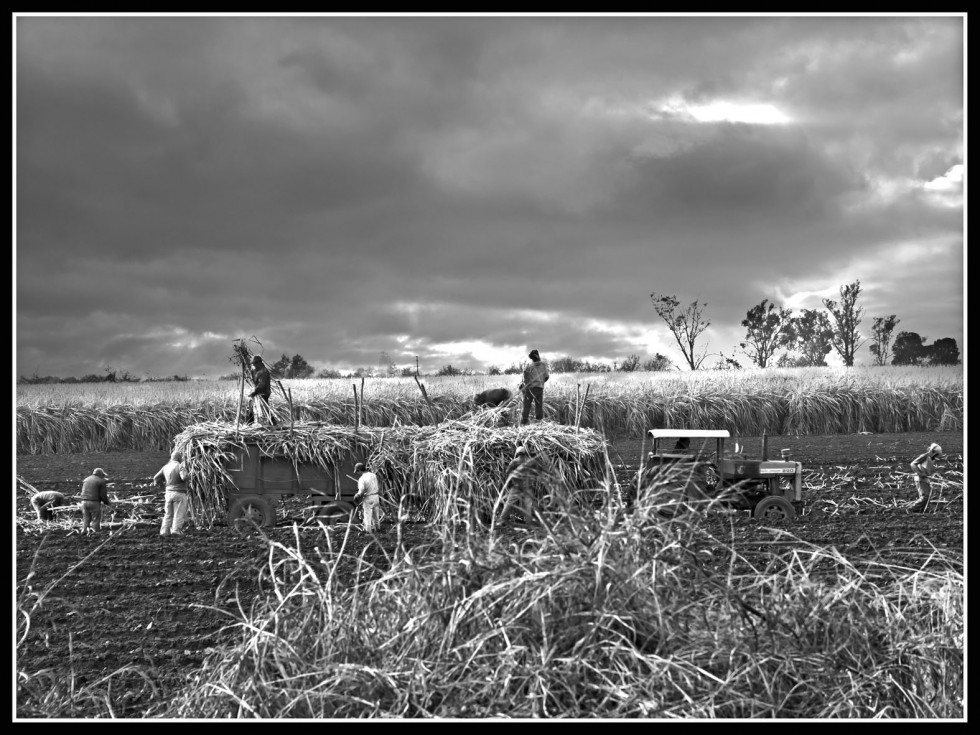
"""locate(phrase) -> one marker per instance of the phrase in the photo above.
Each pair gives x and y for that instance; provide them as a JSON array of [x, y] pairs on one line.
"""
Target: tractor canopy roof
[[693, 433]]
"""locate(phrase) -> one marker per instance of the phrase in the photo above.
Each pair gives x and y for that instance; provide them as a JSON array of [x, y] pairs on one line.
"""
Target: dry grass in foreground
[[595, 614]]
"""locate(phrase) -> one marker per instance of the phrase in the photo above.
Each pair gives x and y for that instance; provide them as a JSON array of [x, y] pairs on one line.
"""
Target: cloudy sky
[[463, 189]]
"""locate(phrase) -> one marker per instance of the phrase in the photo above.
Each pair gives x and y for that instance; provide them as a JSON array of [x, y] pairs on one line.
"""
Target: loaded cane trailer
[[706, 471], [262, 480]]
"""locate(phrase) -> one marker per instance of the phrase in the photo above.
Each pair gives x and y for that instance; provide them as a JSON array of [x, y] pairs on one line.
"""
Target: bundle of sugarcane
[[436, 465], [463, 462]]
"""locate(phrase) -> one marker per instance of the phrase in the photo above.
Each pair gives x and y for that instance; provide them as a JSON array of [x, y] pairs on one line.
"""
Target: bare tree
[[767, 328], [685, 324], [846, 315], [882, 329]]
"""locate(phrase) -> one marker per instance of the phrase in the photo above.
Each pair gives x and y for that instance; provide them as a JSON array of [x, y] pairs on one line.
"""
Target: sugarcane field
[[768, 565]]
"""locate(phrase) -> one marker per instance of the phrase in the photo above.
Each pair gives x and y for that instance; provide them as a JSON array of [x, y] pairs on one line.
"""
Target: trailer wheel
[[250, 510], [774, 508], [335, 511]]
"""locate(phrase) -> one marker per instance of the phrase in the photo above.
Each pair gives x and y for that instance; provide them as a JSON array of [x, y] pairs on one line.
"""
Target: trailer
[[261, 481]]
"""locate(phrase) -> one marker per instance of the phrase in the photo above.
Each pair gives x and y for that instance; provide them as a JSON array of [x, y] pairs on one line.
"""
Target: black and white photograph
[[489, 366]]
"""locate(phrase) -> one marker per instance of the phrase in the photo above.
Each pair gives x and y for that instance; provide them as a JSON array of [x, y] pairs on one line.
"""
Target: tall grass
[[597, 615], [79, 418]]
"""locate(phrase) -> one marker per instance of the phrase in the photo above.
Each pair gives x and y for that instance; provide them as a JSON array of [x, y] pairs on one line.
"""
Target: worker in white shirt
[[367, 495]]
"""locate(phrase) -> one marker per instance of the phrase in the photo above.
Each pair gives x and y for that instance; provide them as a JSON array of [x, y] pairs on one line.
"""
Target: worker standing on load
[[535, 376], [262, 390], [367, 494], [922, 465], [93, 497], [44, 501]]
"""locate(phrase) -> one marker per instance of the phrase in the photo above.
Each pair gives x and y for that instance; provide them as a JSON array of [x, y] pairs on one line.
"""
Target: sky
[[462, 189]]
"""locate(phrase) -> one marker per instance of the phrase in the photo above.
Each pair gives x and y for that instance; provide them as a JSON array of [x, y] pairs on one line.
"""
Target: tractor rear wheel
[[774, 508], [251, 510]]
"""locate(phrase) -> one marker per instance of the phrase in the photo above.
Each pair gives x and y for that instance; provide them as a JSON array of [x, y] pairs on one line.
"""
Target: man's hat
[[176, 456], [359, 467], [935, 449], [533, 354], [100, 472], [520, 451], [257, 360]]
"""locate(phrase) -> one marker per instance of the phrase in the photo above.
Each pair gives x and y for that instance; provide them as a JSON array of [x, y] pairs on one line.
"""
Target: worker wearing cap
[[535, 376], [93, 496], [922, 466], [261, 391], [44, 501], [367, 494], [175, 499]]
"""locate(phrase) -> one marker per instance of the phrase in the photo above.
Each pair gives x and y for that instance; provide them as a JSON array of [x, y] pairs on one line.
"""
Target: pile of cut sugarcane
[[439, 467]]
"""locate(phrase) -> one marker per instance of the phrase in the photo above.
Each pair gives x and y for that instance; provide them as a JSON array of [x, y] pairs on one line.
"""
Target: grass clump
[[592, 613]]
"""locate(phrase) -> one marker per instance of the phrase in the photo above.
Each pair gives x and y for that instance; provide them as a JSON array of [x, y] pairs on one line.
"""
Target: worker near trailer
[[923, 467], [535, 376], [367, 495], [261, 391], [44, 501], [93, 496], [521, 484], [176, 501]]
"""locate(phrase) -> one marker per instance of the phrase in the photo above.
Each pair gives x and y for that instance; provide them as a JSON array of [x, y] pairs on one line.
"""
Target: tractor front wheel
[[671, 500], [774, 508]]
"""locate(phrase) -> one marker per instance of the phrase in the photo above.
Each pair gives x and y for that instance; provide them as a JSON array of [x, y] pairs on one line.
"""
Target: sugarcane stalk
[[579, 419], [357, 408], [432, 410], [241, 399]]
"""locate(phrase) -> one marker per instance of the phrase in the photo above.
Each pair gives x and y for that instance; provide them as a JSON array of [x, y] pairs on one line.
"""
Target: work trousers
[[924, 490], [266, 410], [44, 512], [520, 497], [370, 512], [91, 515], [175, 506], [535, 395]]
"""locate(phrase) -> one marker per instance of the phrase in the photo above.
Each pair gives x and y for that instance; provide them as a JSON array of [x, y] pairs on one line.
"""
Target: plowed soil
[[146, 608]]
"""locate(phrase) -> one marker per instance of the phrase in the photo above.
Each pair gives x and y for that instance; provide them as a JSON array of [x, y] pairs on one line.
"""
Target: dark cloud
[[460, 189]]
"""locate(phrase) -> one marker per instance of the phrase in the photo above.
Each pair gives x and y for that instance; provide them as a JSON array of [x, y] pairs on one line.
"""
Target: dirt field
[[152, 606]]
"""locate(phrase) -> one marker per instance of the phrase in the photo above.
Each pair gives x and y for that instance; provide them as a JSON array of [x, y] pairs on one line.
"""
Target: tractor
[[689, 467], [262, 480]]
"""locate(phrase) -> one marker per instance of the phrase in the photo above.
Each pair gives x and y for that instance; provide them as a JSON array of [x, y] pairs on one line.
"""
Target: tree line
[[774, 336]]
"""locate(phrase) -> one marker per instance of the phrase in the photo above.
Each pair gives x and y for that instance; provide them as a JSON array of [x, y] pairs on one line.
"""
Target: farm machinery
[[262, 480], [690, 467]]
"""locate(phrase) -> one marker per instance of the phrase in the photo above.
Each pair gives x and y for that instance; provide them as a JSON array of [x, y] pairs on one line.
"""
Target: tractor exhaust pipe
[[765, 446]]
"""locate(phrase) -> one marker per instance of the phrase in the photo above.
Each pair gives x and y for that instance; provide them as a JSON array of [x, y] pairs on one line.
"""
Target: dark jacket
[[493, 397], [263, 382], [49, 499], [94, 489]]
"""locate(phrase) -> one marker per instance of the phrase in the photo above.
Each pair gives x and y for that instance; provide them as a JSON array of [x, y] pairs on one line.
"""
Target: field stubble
[[118, 624]]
